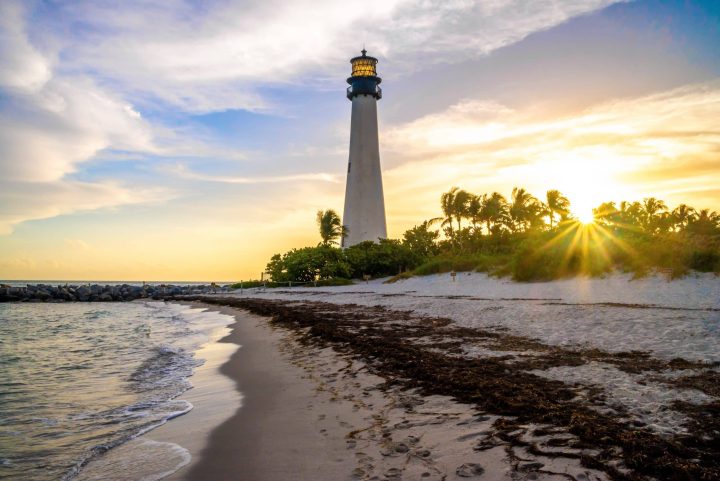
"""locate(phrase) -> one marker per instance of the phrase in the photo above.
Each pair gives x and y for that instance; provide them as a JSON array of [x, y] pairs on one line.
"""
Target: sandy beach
[[373, 382], [429, 378], [314, 413]]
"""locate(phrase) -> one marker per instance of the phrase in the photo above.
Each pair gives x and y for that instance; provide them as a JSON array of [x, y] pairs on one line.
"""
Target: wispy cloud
[[78, 244], [182, 171], [664, 144], [23, 67], [201, 59], [52, 123], [23, 201]]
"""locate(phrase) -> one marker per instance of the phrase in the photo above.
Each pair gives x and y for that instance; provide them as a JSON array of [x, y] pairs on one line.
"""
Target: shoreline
[[421, 409], [381, 383], [273, 434], [214, 397], [176, 443], [311, 412]]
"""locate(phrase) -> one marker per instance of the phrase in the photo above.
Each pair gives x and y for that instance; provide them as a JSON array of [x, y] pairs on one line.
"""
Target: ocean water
[[78, 379], [23, 283]]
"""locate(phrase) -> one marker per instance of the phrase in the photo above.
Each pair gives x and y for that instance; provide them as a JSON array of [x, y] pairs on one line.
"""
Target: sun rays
[[585, 247]]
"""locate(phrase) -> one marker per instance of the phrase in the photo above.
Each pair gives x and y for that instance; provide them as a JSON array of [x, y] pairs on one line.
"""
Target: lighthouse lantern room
[[364, 80]]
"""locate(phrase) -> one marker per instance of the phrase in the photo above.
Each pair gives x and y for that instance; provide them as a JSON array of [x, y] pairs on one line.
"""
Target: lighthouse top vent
[[364, 65]]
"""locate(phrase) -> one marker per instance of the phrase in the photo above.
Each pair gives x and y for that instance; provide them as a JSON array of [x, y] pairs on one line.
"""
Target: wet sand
[[214, 398], [273, 435]]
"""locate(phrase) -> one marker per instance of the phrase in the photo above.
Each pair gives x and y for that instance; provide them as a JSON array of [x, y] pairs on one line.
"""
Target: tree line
[[523, 212], [494, 213], [522, 236]]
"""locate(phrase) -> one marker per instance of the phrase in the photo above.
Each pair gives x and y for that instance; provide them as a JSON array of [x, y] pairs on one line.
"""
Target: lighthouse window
[[363, 67]]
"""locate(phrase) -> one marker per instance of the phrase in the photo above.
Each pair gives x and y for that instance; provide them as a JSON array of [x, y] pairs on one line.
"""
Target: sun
[[585, 215]]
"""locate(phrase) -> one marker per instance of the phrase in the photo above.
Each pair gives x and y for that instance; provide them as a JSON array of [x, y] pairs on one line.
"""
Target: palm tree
[[494, 211], [705, 222], [330, 227], [606, 213], [447, 205], [682, 215], [474, 210], [523, 209], [652, 208], [461, 203], [454, 204], [706, 215], [631, 215], [556, 203]]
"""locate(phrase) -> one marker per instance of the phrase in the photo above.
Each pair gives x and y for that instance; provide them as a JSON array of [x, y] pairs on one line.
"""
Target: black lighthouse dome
[[364, 80]]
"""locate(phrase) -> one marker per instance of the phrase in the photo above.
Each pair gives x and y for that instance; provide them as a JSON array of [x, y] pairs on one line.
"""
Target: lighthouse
[[364, 214]]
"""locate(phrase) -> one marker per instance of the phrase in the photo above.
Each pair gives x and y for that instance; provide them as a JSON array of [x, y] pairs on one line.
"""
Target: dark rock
[[43, 295], [97, 293], [83, 294]]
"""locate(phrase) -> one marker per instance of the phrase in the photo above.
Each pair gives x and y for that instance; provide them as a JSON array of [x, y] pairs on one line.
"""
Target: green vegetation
[[524, 237], [330, 227], [331, 282], [246, 284]]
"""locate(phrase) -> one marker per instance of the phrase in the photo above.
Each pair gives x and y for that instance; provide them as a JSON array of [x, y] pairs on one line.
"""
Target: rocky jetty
[[101, 293]]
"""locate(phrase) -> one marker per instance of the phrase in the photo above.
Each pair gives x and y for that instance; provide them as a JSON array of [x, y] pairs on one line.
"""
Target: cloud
[[46, 134], [22, 66], [182, 171], [78, 244], [665, 144], [49, 122], [52, 123], [205, 59], [449, 31], [23, 201]]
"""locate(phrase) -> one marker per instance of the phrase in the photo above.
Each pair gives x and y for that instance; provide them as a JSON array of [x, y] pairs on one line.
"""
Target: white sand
[[668, 319]]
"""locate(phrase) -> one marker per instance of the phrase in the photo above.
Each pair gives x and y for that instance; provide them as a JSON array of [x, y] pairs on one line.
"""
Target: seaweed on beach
[[386, 341], [707, 382]]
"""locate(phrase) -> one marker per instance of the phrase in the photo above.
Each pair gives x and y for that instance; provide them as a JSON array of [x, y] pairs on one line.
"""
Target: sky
[[191, 140]]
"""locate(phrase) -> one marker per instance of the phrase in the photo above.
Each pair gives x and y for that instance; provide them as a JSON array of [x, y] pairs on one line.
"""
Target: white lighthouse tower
[[364, 215]]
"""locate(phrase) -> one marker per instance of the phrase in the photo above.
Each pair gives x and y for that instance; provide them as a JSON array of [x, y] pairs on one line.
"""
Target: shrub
[[308, 264], [549, 256], [460, 263], [402, 275], [705, 261], [385, 258], [246, 284], [336, 281]]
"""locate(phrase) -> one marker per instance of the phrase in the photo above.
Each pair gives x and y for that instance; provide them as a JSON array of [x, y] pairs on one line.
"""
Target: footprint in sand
[[393, 473], [423, 453], [469, 470], [363, 457], [401, 448]]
